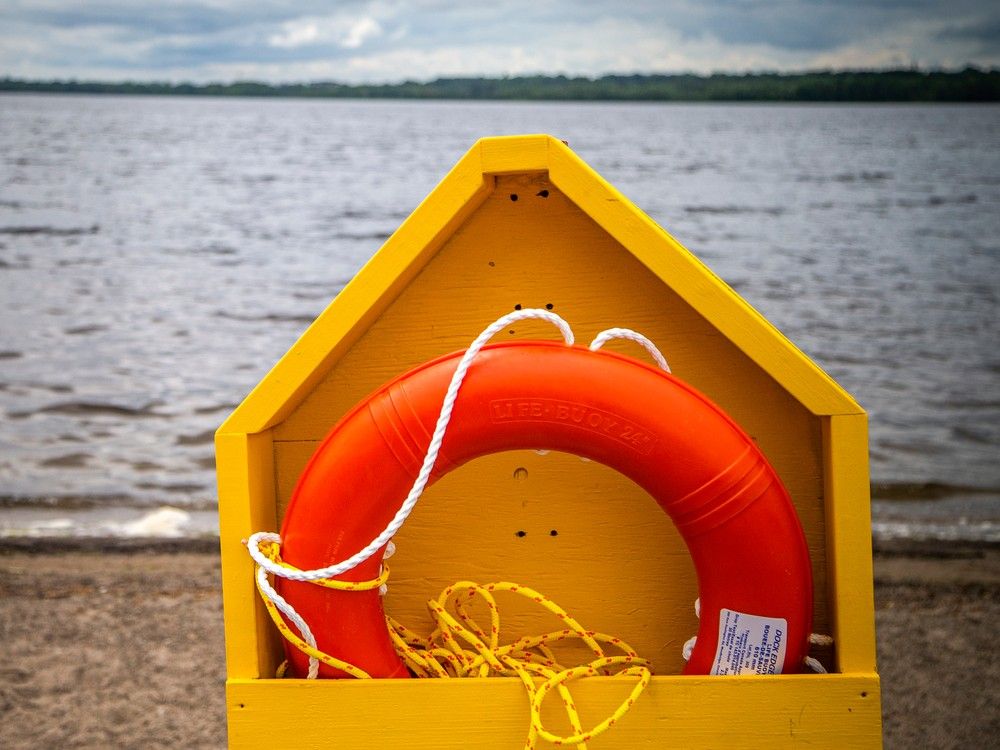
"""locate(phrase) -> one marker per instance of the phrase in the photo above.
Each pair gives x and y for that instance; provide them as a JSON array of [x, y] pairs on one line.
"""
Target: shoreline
[[121, 644], [935, 549], [892, 85]]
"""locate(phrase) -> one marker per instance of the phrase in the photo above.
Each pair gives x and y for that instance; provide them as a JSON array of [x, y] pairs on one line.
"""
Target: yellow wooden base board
[[816, 711]]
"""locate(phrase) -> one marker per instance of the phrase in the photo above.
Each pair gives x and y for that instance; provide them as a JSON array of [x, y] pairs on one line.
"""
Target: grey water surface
[[158, 255]]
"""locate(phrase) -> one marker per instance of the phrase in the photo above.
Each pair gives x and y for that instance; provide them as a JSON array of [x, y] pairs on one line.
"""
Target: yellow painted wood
[[833, 711], [521, 221], [363, 299], [701, 288], [246, 504], [848, 509], [514, 154], [613, 528]]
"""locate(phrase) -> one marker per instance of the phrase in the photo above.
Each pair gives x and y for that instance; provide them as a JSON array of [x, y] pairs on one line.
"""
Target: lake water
[[158, 255]]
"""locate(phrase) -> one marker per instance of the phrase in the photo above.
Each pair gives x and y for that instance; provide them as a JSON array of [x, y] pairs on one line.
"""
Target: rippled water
[[157, 256]]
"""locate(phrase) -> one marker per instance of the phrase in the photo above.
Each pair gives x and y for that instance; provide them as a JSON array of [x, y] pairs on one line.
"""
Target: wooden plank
[[246, 505], [849, 541], [514, 154], [816, 711]]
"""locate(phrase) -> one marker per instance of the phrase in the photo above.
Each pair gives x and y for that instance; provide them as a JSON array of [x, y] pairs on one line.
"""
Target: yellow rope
[[460, 647], [273, 552]]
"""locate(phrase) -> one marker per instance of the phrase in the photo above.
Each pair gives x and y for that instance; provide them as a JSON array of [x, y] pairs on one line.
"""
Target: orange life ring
[[753, 568]]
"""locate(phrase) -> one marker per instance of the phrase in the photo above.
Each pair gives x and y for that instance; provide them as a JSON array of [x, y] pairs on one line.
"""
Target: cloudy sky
[[393, 40]]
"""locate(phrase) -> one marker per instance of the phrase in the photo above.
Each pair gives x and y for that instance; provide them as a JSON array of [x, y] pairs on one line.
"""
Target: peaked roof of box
[[455, 198]]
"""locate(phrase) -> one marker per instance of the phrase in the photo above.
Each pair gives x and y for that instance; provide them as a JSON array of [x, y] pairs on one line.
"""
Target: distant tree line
[[969, 85]]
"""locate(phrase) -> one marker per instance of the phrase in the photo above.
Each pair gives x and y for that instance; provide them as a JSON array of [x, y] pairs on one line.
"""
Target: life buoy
[[736, 517]]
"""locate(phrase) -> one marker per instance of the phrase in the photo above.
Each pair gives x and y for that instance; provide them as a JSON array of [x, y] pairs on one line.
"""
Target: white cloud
[[345, 32], [295, 34], [393, 40], [360, 32]]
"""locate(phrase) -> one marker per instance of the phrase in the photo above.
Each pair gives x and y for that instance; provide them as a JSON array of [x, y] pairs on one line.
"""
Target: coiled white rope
[[815, 639]]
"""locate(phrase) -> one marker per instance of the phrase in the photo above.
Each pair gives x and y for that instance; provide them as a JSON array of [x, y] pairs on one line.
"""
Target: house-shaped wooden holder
[[523, 221]]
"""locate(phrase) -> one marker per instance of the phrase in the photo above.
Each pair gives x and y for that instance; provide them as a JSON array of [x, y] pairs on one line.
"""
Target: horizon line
[[762, 72]]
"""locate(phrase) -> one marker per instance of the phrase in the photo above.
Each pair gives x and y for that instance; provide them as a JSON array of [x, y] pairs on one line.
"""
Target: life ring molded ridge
[[727, 502]]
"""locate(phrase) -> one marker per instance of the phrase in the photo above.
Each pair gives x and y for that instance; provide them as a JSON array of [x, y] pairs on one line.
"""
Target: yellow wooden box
[[523, 221]]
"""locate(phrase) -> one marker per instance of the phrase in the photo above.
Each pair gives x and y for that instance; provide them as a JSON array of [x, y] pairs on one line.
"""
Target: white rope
[[814, 665], [689, 644], [266, 565], [430, 458], [289, 611], [818, 639], [688, 648], [629, 335]]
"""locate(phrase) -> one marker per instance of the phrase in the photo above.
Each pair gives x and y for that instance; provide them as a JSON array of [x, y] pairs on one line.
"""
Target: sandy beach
[[123, 646]]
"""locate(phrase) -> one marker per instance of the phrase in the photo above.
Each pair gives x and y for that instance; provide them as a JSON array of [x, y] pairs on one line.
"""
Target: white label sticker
[[749, 644]]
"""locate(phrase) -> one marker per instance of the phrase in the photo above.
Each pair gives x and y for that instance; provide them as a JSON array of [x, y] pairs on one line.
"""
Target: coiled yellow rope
[[460, 647]]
